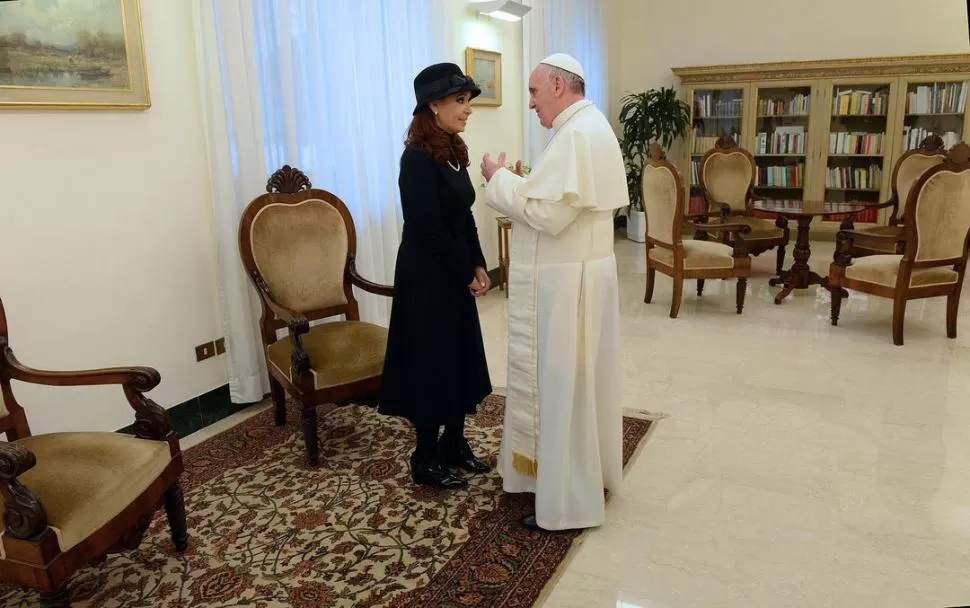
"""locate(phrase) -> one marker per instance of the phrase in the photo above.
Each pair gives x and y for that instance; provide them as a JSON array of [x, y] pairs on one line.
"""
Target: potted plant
[[647, 117]]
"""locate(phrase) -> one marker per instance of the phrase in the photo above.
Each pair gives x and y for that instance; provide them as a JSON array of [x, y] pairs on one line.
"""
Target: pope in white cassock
[[563, 422]]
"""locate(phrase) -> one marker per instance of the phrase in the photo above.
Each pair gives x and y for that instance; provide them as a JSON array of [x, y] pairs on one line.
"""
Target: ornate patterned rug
[[267, 531]]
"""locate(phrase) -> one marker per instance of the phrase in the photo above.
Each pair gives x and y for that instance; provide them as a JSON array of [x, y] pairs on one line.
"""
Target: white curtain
[[575, 27], [322, 86]]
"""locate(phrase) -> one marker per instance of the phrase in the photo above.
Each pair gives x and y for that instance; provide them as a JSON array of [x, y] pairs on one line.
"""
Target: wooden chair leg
[[175, 509], [58, 598], [279, 401], [952, 304], [780, 263], [700, 287], [310, 438], [678, 294], [899, 316], [837, 295], [742, 290], [651, 277]]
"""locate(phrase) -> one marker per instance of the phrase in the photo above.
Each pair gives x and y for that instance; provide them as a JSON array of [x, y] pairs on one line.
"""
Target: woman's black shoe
[[459, 455], [433, 474]]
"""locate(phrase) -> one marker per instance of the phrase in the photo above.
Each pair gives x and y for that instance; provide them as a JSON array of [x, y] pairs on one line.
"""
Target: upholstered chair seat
[[698, 255], [936, 239], [884, 270], [84, 480], [343, 352]]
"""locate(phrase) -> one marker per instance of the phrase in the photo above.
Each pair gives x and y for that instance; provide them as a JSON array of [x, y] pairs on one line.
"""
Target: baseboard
[[199, 412]]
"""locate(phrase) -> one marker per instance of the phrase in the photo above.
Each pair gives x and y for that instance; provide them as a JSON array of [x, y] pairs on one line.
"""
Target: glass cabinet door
[[934, 107], [781, 140], [714, 112], [857, 147]]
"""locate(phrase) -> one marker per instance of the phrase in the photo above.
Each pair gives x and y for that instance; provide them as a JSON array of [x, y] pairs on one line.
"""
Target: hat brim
[[463, 88]]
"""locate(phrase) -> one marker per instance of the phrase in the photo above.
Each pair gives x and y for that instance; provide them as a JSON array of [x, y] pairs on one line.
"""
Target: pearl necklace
[[457, 166]]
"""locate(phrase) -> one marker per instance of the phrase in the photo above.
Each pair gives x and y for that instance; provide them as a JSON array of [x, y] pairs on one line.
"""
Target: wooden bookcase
[[829, 129]]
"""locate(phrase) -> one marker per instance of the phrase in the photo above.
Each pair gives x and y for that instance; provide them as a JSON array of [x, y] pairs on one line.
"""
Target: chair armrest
[[296, 323], [730, 228], [23, 514], [845, 238], [368, 286], [151, 420]]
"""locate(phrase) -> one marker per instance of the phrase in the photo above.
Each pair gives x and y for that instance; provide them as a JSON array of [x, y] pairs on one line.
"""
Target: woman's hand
[[481, 284]]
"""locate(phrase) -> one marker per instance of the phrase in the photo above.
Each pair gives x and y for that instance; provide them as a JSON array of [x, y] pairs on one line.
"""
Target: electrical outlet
[[205, 351], [220, 346]]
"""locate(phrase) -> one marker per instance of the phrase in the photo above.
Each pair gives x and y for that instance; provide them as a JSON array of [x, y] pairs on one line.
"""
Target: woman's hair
[[425, 132]]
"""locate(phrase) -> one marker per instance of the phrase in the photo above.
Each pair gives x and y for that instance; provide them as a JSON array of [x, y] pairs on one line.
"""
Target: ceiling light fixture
[[507, 10]]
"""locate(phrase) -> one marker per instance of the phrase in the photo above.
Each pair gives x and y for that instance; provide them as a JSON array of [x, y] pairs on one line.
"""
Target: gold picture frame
[[95, 62], [485, 68]]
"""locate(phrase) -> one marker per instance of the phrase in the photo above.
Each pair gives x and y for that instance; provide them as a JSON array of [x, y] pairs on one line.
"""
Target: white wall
[[490, 129], [105, 239], [648, 37]]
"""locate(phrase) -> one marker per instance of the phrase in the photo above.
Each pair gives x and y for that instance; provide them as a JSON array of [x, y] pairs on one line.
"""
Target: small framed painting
[[485, 68], [63, 54]]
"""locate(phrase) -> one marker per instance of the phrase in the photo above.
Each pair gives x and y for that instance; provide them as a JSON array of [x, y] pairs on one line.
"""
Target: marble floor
[[798, 465]]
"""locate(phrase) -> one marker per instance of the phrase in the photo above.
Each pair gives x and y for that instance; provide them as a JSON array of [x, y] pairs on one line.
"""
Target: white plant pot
[[636, 227]]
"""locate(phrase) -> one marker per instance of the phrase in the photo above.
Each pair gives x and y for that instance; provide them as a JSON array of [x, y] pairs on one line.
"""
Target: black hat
[[439, 81]]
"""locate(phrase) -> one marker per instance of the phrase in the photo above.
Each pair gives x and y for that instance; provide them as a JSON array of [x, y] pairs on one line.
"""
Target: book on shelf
[[696, 204], [914, 136], [843, 142], [849, 178], [703, 143], [860, 103], [707, 106], [795, 106], [939, 98], [785, 176], [784, 140]]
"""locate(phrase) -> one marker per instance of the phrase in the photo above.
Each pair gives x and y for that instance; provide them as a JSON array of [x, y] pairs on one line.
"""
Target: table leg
[[800, 275]]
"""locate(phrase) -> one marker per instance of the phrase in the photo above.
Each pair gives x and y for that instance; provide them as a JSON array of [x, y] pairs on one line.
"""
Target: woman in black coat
[[435, 371]]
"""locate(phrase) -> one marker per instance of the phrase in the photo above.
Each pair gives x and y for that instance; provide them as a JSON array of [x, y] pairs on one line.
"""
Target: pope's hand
[[489, 167]]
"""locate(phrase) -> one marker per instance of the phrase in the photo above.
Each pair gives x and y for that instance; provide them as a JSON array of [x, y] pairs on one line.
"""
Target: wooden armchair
[[727, 175], [911, 165], [936, 235], [701, 259], [68, 499], [299, 246]]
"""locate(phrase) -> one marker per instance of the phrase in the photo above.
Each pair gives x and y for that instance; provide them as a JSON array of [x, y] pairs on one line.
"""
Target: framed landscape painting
[[485, 68], [72, 55]]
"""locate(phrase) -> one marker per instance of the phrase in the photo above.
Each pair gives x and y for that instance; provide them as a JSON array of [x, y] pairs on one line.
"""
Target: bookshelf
[[781, 138], [831, 129]]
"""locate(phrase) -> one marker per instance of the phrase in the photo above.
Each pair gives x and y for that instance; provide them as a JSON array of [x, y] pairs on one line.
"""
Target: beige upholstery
[[698, 255], [340, 353], [942, 216], [727, 177], [660, 203], [761, 229], [910, 170], [883, 269], [3, 406], [301, 252], [85, 479]]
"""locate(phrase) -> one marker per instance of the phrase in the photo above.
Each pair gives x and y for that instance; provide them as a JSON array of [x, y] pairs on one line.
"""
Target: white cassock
[[563, 419]]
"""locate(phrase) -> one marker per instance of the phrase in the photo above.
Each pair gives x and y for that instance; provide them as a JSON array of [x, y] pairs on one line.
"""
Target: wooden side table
[[504, 228]]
